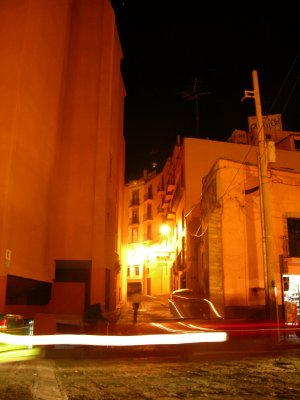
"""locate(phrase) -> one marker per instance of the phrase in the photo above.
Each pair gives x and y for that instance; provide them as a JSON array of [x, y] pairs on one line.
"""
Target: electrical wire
[[284, 83]]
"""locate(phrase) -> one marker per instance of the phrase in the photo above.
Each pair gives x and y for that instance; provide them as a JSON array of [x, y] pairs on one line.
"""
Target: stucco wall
[[32, 47], [241, 236], [61, 135]]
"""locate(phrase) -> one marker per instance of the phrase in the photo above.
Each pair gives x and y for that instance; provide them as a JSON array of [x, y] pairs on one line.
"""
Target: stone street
[[80, 376]]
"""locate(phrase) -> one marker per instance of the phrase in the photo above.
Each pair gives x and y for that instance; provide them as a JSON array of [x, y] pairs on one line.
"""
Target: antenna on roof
[[193, 92]]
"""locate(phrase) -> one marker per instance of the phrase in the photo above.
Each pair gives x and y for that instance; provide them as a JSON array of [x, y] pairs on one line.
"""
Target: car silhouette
[[15, 324], [183, 303]]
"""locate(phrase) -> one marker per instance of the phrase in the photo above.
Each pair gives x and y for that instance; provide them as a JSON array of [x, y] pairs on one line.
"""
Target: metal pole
[[271, 292], [263, 230]]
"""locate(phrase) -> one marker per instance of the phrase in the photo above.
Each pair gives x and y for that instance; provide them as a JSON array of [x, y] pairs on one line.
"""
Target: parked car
[[192, 309], [15, 324], [183, 303]]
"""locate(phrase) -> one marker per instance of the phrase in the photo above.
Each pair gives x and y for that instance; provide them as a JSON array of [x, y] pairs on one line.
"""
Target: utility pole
[[266, 221]]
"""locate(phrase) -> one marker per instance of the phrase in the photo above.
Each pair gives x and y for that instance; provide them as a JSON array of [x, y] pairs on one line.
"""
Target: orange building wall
[[241, 234], [61, 135], [32, 46], [200, 156], [90, 165], [243, 269]]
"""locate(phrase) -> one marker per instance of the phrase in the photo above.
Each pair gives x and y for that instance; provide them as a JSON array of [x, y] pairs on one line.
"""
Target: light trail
[[199, 328], [102, 340], [166, 328], [9, 353]]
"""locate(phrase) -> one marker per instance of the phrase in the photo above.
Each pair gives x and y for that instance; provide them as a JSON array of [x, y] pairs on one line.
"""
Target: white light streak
[[199, 328], [188, 326], [101, 340], [213, 307]]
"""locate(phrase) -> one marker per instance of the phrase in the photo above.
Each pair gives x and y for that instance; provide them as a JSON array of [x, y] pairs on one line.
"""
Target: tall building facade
[[205, 252], [62, 156], [149, 224]]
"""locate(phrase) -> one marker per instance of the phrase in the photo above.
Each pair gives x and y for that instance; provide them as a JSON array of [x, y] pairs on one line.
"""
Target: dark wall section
[[22, 291]]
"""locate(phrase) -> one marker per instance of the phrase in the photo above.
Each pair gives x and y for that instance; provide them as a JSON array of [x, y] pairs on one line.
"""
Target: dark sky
[[174, 49]]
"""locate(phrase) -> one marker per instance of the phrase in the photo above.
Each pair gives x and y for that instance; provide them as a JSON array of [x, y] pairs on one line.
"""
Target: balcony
[[161, 210], [171, 184], [134, 221], [171, 215], [148, 238], [165, 204], [148, 197], [161, 190], [170, 193], [177, 196], [147, 217], [134, 202]]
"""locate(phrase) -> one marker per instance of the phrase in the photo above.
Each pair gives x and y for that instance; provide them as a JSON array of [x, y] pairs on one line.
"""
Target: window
[[134, 235], [135, 216], [297, 145], [135, 198], [149, 211], [137, 270], [294, 236], [149, 232]]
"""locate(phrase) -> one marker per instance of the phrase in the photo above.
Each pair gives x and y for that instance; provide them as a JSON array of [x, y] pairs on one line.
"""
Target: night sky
[[174, 50]]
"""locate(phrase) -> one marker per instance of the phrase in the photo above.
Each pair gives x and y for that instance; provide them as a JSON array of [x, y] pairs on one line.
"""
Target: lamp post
[[266, 221]]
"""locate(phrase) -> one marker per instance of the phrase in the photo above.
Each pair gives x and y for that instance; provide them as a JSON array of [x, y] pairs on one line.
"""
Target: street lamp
[[165, 230]]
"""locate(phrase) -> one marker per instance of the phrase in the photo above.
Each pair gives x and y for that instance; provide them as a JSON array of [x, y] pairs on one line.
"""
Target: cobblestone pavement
[[243, 369], [182, 377]]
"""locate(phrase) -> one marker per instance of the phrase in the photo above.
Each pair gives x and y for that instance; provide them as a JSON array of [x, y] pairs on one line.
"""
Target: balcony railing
[[147, 217], [148, 197], [134, 202], [148, 237], [160, 189], [134, 221], [171, 183], [161, 210]]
